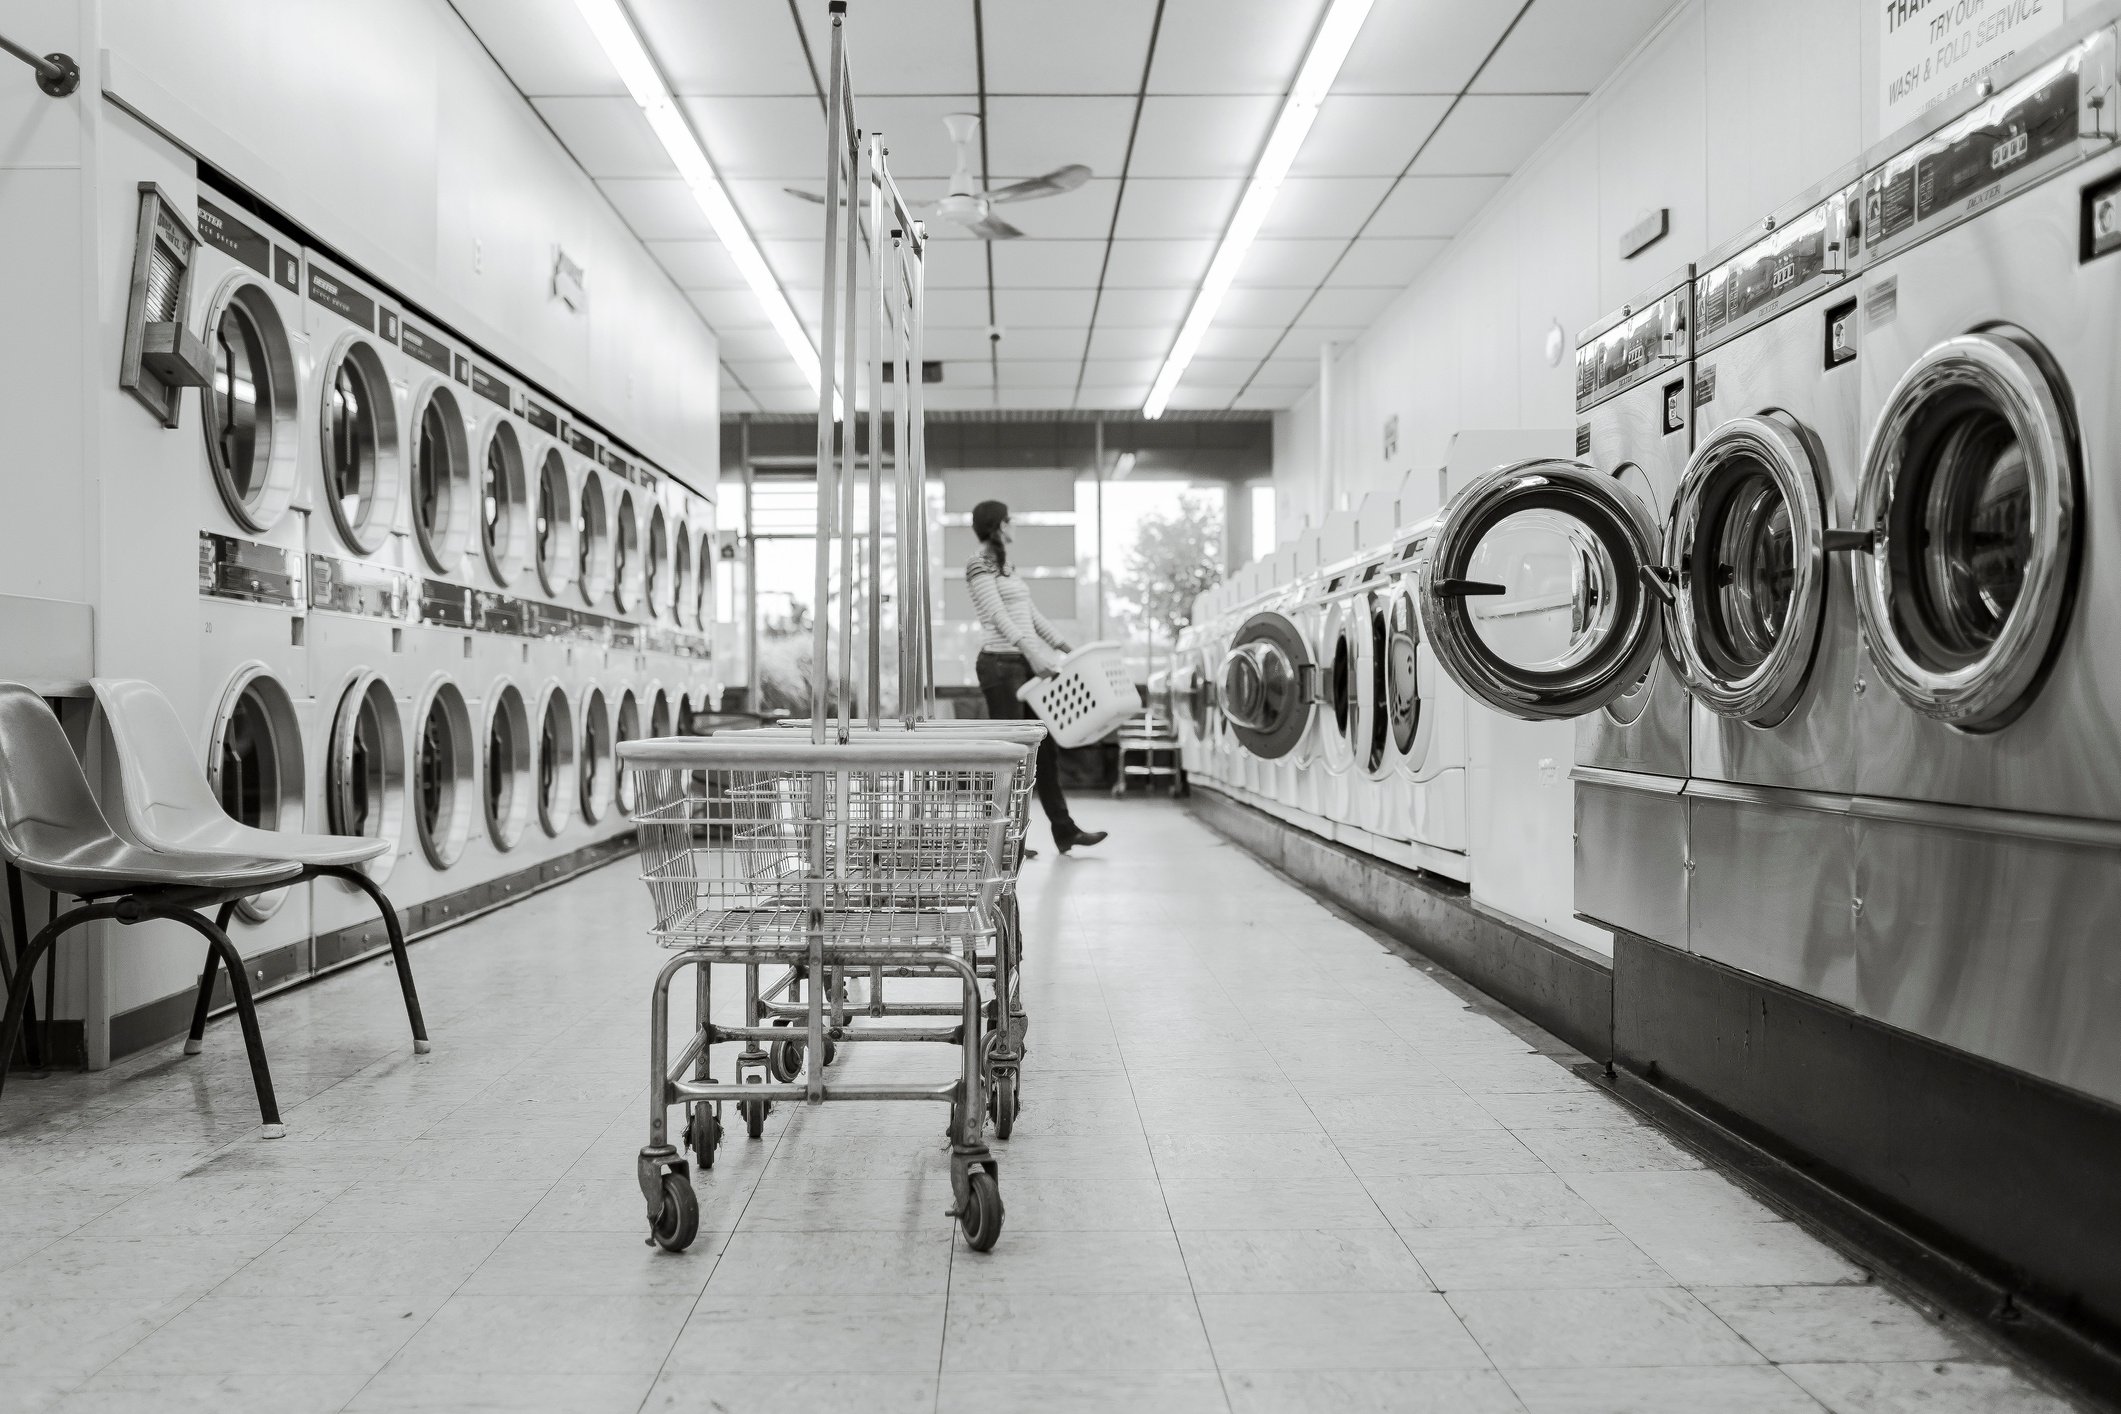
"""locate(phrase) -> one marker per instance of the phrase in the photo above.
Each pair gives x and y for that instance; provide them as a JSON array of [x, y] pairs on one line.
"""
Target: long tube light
[[621, 42], [1329, 49]]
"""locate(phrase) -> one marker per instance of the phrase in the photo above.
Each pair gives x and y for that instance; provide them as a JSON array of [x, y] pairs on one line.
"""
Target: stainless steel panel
[[1998, 943], [1770, 890], [1781, 365], [1646, 730], [2019, 263], [1631, 851]]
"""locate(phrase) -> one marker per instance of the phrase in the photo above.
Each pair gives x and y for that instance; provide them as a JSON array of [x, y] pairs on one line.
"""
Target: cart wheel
[[1001, 1102], [832, 1050], [754, 1113], [785, 1060], [680, 1219], [981, 1215], [703, 1134]]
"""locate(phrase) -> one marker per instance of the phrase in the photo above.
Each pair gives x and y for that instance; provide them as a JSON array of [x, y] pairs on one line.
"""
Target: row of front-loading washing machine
[[1831, 588], [431, 600]]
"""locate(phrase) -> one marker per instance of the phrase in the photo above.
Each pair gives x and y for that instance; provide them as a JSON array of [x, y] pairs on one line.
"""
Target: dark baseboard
[[63, 1044], [297, 964], [1995, 1193], [1565, 989]]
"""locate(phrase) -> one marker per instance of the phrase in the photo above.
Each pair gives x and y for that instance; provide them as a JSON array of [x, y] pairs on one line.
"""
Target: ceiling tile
[[767, 373], [1346, 307], [1082, 46], [1082, 214], [1261, 308], [1382, 263], [1237, 341], [1422, 46], [1043, 309], [1324, 206], [1035, 399], [968, 373], [1042, 343], [735, 401], [542, 45], [759, 345], [916, 46], [1256, 398], [1189, 396], [1149, 307], [1141, 266], [1040, 372], [1177, 207], [956, 263], [1220, 372], [1292, 263], [1107, 342], [1124, 397], [1432, 206], [796, 264], [1048, 264], [1569, 46], [948, 399], [1030, 135], [726, 309], [956, 309], [782, 138], [1367, 134], [1232, 46], [608, 136], [953, 344], [1494, 132], [724, 46], [912, 126], [786, 400], [1308, 332], [771, 213], [1201, 137], [1118, 372], [1302, 346], [1288, 371], [658, 209]]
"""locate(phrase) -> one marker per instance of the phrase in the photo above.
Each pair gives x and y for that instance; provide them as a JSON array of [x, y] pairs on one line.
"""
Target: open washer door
[[1269, 685], [1749, 539], [1970, 490], [1543, 596]]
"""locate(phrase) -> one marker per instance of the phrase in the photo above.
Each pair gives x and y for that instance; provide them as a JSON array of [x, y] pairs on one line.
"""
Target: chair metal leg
[[391, 926], [196, 1042], [246, 1012], [18, 992], [33, 1049]]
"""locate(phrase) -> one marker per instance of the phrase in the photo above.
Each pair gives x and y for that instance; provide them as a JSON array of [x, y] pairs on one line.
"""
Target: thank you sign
[[1930, 49]]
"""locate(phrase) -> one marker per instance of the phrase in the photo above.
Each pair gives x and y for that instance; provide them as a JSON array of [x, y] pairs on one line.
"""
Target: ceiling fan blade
[[804, 195], [993, 228], [1055, 182]]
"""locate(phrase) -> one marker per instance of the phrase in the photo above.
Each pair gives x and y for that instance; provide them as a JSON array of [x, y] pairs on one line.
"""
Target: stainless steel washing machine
[[1986, 896]]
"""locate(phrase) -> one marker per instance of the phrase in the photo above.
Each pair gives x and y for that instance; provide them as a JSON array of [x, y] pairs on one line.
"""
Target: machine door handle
[[1467, 588], [1659, 581], [1843, 541]]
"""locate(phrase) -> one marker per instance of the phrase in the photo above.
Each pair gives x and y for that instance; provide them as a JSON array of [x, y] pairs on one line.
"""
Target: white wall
[[1730, 108]]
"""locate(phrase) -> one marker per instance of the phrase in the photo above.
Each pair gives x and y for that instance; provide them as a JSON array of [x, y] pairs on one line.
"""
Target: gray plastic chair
[[52, 830], [165, 803]]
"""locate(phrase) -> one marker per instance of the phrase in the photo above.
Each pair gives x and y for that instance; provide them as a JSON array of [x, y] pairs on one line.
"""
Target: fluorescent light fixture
[[1123, 468], [1329, 49], [621, 42]]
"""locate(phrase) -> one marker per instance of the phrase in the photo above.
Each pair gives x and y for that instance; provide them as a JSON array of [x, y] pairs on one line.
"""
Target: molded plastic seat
[[52, 829], [167, 803]]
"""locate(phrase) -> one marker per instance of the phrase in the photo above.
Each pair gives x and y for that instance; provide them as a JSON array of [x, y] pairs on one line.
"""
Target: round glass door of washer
[[364, 778], [254, 764], [1971, 491], [1747, 537], [1537, 595], [360, 434], [1401, 662], [443, 774], [250, 407], [1266, 685], [442, 507]]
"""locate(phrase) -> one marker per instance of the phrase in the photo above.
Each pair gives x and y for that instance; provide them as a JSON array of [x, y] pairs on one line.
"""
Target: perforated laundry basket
[[1088, 695]]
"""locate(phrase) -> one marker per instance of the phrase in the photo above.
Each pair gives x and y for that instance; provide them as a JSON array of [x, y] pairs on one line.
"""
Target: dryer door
[[1340, 684], [1748, 539], [1374, 749], [1268, 685], [1406, 714], [1970, 490], [1542, 595]]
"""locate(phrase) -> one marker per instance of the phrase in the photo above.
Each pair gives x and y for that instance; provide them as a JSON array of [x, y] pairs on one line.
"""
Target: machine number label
[[489, 387], [225, 233], [448, 605], [2102, 219], [462, 370], [287, 269], [1583, 439], [543, 418], [1881, 301], [583, 443], [426, 348], [1704, 385], [615, 463], [349, 304], [387, 325]]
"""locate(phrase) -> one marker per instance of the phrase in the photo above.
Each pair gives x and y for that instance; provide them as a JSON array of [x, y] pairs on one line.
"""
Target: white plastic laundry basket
[[1088, 695]]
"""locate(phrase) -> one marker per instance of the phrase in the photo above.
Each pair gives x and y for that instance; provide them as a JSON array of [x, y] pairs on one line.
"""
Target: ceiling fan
[[969, 207]]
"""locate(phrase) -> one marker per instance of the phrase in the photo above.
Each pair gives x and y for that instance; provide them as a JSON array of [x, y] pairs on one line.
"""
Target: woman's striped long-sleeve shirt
[[1011, 622]]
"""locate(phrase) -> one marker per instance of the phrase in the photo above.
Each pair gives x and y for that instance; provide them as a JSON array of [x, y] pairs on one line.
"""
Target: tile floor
[[1265, 1165]]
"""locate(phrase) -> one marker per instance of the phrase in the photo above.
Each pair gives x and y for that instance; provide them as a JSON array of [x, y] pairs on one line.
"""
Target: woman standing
[[1017, 643]]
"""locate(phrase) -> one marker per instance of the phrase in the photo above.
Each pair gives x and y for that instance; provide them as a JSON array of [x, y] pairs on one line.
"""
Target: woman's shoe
[[1082, 837]]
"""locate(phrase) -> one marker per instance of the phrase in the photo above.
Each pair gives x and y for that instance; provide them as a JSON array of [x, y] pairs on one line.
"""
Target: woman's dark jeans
[[1000, 675]]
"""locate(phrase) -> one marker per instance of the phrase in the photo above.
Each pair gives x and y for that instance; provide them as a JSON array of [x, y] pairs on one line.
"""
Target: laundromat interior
[[1446, 675]]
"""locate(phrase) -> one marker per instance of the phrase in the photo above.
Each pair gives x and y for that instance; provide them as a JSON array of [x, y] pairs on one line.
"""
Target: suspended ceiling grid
[[1167, 101]]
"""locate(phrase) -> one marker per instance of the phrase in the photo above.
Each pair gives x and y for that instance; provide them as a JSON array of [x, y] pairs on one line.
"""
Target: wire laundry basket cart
[[885, 854]]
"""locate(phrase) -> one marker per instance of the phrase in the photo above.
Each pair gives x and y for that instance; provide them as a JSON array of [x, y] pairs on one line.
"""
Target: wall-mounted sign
[[1930, 49], [1392, 436], [1645, 233]]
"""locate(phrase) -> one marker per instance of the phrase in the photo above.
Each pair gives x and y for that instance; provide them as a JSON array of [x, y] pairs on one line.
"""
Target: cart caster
[[784, 1059], [979, 1215], [755, 1112], [678, 1222], [1002, 1104], [703, 1133]]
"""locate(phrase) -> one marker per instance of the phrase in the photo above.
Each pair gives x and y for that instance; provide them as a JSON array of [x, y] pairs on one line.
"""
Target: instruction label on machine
[[1930, 49]]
